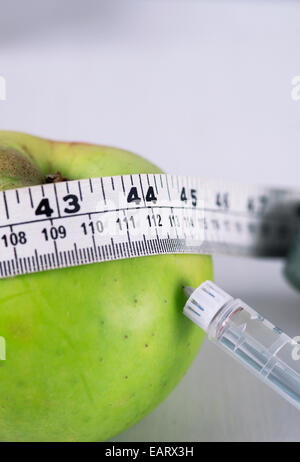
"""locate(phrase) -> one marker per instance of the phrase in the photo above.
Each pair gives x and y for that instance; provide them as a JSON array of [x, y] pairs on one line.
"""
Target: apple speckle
[[165, 301], [126, 377], [146, 345], [125, 336]]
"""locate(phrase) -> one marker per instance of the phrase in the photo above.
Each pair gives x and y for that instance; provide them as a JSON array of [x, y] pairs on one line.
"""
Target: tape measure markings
[[140, 215]]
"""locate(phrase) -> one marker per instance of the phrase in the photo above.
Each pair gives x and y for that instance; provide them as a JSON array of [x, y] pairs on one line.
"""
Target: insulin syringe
[[264, 349]]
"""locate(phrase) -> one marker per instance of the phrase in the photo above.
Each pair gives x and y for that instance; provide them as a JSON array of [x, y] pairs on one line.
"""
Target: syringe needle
[[256, 343], [188, 290]]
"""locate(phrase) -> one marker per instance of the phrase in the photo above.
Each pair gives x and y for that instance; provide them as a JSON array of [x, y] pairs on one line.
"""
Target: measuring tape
[[100, 219]]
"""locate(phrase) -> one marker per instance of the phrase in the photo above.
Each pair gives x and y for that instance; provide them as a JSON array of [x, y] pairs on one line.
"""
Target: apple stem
[[57, 178]]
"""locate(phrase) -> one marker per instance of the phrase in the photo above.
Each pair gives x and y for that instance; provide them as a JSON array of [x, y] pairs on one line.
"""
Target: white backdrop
[[196, 87]]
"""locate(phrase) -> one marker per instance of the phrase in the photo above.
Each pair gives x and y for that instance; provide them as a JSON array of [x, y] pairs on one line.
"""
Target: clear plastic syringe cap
[[204, 303]]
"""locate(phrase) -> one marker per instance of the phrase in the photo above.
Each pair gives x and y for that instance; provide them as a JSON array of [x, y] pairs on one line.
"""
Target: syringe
[[256, 343]]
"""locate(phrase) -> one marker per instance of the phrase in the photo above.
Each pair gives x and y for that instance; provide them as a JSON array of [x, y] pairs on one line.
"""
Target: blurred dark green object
[[292, 266]]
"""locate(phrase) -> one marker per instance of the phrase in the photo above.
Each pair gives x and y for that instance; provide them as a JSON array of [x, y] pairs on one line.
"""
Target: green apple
[[90, 350]]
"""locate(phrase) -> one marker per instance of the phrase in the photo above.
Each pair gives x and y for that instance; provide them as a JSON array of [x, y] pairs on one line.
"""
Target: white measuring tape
[[99, 219]]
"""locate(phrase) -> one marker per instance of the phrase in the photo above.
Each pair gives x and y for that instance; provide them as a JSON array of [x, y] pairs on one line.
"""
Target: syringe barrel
[[260, 346]]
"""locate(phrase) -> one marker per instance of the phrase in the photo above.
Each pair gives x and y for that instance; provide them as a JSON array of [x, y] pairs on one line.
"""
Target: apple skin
[[92, 349]]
